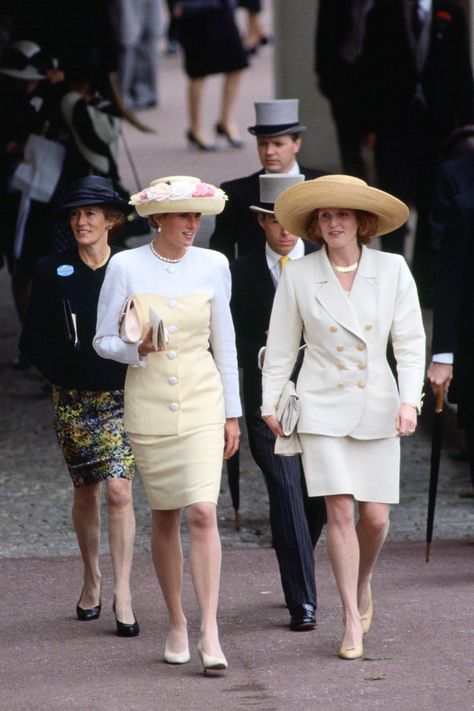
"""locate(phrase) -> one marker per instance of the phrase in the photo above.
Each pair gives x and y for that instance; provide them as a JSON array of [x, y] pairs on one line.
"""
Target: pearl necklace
[[345, 270], [165, 259]]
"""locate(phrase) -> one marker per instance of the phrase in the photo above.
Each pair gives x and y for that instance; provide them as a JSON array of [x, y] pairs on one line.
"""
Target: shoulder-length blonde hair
[[367, 224]]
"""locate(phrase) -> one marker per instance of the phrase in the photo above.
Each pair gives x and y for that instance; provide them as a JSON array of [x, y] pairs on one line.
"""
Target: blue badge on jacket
[[65, 270]]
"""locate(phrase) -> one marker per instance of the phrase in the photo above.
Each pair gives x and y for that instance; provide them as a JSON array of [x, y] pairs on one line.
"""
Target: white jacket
[[345, 385]]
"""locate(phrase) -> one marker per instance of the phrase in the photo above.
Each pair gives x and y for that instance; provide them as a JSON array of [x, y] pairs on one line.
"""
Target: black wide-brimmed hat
[[25, 60], [93, 190]]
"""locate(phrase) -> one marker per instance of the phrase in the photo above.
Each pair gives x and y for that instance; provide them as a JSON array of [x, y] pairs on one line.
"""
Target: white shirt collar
[[425, 5], [273, 258], [294, 170]]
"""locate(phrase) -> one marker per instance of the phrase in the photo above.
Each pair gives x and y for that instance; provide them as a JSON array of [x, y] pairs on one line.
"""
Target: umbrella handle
[[440, 399]]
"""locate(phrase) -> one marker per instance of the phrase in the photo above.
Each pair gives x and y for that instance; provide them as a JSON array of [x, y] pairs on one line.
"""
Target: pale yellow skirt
[[369, 469], [180, 470]]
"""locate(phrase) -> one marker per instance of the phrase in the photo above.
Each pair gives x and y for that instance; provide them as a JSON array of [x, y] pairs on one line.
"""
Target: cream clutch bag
[[130, 327], [160, 334]]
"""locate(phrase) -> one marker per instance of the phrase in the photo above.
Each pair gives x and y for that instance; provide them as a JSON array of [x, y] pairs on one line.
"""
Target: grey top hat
[[271, 186], [276, 118]]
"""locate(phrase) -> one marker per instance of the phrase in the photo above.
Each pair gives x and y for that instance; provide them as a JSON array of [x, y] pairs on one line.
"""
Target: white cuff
[[446, 358]]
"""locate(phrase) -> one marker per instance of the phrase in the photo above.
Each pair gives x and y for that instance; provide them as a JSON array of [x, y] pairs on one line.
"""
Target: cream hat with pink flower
[[179, 193]]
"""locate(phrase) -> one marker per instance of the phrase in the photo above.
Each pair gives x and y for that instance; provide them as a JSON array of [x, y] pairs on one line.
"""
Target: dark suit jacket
[[453, 313], [338, 80], [237, 225], [251, 304], [392, 76]]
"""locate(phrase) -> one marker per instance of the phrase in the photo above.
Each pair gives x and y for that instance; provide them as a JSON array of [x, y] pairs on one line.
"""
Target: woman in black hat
[[87, 390]]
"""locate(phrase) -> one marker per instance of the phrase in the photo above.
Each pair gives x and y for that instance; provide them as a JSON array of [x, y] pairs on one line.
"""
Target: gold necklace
[[345, 270]]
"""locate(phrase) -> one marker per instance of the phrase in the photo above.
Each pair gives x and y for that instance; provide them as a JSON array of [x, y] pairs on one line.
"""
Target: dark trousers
[[296, 520]]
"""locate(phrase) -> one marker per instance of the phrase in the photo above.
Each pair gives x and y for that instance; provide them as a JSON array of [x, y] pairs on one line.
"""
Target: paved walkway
[[419, 654]]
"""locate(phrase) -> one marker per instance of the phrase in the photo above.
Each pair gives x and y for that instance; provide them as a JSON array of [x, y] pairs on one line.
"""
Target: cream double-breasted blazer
[[346, 386]]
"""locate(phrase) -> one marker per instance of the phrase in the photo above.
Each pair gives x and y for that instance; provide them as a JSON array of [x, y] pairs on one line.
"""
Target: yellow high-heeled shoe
[[210, 663]]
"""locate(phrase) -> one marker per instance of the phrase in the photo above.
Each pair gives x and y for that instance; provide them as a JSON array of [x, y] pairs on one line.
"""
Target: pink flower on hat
[[204, 190]]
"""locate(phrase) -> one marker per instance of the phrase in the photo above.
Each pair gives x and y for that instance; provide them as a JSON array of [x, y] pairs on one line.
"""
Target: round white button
[[171, 355], [174, 406], [172, 303], [172, 329], [172, 380], [171, 270]]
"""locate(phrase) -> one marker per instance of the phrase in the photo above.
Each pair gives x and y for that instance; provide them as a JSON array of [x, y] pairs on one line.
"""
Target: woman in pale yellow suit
[[346, 301], [182, 401]]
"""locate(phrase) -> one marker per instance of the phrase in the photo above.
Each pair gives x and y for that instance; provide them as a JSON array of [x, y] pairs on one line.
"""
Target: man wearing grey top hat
[[296, 520], [278, 133]]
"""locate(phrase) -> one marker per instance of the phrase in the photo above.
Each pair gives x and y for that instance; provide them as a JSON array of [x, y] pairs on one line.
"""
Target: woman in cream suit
[[181, 402], [346, 301]]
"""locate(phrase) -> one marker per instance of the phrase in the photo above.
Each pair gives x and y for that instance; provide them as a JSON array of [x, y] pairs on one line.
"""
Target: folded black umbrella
[[436, 438], [233, 477]]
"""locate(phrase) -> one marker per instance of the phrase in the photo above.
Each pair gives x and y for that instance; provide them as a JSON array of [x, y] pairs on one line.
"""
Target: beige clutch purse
[[160, 334], [130, 326], [288, 409], [287, 414]]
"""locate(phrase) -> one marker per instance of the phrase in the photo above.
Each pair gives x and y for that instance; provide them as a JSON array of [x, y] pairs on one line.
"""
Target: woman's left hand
[[406, 420], [232, 436]]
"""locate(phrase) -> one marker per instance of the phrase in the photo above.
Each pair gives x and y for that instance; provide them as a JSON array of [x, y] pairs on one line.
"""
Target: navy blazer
[[453, 313], [251, 304], [237, 226]]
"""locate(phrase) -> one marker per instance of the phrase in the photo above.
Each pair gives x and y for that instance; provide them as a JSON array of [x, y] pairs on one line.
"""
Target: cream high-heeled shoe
[[366, 618], [351, 652], [176, 657], [210, 663]]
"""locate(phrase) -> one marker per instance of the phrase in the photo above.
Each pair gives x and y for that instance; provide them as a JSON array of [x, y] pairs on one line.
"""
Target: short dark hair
[[367, 227]]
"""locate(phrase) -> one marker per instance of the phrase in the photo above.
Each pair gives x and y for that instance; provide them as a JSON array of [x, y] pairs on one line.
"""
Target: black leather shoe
[[90, 614], [125, 630], [303, 618]]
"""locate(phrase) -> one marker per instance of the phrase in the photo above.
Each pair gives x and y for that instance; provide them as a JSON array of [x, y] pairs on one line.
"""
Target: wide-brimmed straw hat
[[179, 193], [294, 207], [271, 186], [92, 190]]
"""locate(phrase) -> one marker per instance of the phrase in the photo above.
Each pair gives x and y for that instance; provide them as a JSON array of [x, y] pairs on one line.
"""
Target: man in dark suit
[[296, 520], [452, 221], [339, 42], [278, 132], [419, 81]]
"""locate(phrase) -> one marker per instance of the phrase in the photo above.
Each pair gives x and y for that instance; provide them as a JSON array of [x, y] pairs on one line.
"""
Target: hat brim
[[26, 74], [278, 130], [265, 210], [203, 205], [121, 205], [294, 207]]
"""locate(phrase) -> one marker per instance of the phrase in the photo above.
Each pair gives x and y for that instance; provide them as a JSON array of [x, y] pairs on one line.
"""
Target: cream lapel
[[331, 297], [363, 297]]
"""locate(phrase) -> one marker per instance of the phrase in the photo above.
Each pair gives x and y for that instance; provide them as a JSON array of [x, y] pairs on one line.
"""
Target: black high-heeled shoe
[[124, 629], [92, 613], [194, 141], [222, 131]]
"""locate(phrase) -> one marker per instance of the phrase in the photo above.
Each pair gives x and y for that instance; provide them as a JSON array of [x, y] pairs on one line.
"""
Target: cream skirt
[[179, 470], [368, 469]]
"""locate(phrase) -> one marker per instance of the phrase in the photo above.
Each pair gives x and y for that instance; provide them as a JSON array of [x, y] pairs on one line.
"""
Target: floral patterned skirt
[[90, 434]]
